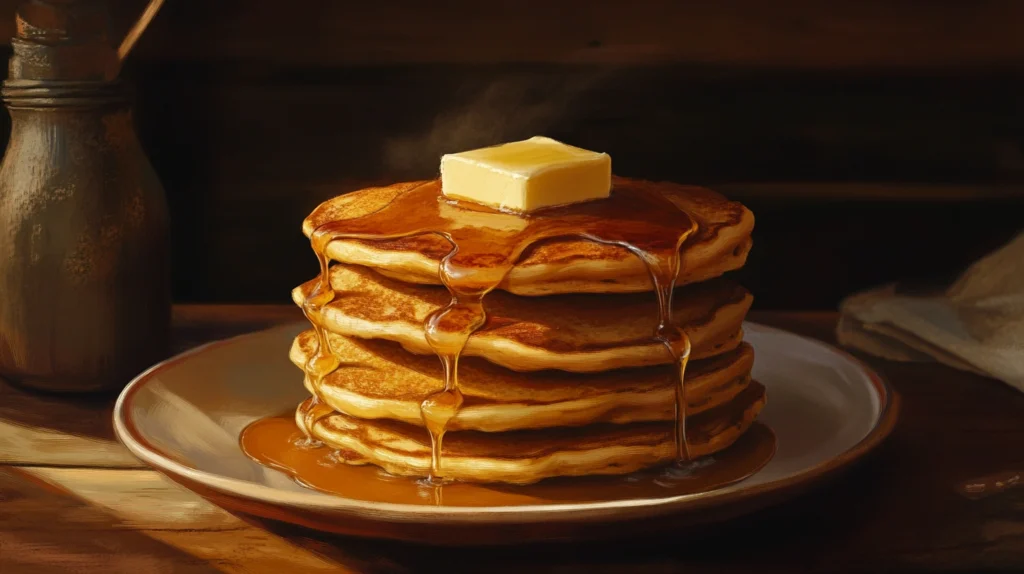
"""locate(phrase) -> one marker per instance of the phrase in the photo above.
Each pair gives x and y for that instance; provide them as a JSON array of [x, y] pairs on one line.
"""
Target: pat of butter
[[527, 175]]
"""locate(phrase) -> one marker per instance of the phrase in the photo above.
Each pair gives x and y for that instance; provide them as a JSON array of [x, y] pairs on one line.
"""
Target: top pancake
[[719, 244]]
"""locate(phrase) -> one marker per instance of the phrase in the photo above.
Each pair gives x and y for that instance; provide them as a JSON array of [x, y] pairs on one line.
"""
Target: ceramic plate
[[183, 417]]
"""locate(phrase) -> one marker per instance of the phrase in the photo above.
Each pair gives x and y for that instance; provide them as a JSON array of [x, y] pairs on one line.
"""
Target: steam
[[509, 108]]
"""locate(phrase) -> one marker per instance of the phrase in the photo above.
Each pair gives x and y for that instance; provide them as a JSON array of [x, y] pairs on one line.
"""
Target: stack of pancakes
[[564, 379]]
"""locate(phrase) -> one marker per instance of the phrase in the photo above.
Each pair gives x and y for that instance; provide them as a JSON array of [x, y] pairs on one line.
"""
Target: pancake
[[378, 379], [528, 456], [720, 244], [579, 333]]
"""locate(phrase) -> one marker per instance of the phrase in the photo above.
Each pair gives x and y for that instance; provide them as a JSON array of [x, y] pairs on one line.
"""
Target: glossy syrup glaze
[[485, 246]]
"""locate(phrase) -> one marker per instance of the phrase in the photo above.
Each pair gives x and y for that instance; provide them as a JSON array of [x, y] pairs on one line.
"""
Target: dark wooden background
[[874, 140]]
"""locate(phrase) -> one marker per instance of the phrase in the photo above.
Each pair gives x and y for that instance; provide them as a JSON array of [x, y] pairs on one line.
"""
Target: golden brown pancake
[[379, 379], [580, 333], [528, 456], [720, 244]]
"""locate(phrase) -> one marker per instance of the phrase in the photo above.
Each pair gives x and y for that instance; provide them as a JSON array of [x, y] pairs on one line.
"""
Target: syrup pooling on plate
[[272, 441], [485, 245]]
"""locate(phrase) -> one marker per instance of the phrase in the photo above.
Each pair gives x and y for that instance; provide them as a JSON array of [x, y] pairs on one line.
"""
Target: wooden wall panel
[[247, 151], [746, 33], [319, 124], [807, 34], [253, 111]]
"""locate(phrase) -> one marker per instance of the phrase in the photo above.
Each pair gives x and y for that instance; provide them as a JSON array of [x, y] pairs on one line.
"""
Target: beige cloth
[[977, 324]]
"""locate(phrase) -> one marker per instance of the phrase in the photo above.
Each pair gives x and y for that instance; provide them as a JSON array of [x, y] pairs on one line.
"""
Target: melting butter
[[526, 175]]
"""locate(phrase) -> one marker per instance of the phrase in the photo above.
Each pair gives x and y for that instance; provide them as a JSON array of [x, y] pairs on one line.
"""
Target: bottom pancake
[[528, 456]]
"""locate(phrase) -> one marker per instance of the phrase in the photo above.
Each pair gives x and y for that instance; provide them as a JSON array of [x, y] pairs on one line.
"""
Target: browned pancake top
[[711, 211]]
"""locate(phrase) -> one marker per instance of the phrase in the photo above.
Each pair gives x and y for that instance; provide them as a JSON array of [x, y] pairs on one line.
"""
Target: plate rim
[[883, 425]]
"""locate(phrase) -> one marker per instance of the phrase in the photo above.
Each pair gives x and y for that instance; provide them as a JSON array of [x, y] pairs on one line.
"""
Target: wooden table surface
[[73, 500]]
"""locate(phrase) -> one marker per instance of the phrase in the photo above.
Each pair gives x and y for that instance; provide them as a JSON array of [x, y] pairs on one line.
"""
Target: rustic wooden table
[[73, 500]]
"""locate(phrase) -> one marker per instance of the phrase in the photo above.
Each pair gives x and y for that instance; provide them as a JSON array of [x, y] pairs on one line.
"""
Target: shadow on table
[[44, 531], [743, 544], [89, 415], [81, 415]]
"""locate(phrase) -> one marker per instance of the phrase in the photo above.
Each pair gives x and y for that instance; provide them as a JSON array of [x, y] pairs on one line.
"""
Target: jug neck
[[63, 40], [48, 94]]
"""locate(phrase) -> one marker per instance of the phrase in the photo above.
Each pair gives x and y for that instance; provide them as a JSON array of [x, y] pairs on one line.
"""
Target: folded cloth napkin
[[977, 324]]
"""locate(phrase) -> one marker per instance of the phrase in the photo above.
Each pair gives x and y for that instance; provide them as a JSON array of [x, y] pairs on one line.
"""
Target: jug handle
[[138, 28]]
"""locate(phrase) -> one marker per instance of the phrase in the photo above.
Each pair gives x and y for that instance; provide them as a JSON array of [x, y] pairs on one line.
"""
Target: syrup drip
[[485, 245]]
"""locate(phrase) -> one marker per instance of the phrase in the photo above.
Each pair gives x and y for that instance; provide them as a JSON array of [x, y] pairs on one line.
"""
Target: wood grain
[[129, 521], [941, 151], [252, 112], [882, 192], [138, 499], [21, 444], [53, 430], [800, 33], [899, 510], [251, 115], [792, 33]]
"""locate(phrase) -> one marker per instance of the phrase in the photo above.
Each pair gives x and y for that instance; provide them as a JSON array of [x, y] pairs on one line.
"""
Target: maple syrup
[[278, 443], [485, 245]]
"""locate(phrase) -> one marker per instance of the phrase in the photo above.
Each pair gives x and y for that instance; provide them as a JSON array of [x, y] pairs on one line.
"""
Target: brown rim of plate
[[889, 406]]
